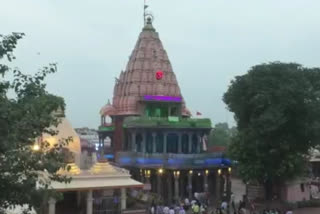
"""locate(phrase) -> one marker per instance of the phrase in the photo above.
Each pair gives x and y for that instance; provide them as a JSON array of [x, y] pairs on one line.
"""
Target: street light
[[190, 172], [219, 171], [207, 172], [160, 171], [36, 147], [176, 174]]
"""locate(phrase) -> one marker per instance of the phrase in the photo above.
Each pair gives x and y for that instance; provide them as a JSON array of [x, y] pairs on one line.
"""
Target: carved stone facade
[[147, 57]]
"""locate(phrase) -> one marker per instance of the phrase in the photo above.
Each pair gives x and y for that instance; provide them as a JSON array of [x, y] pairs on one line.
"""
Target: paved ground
[[307, 211], [238, 189]]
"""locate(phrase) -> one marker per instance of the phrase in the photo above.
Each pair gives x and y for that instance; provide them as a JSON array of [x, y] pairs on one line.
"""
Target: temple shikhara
[[152, 131]]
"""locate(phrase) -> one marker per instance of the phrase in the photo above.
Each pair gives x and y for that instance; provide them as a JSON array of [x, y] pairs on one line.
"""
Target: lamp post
[[159, 175], [176, 175], [190, 184], [147, 174], [205, 181]]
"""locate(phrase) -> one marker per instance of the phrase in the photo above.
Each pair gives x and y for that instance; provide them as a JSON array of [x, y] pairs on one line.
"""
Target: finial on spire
[[147, 15], [144, 12]]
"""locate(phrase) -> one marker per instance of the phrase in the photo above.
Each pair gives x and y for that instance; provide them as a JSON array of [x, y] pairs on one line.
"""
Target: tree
[[276, 107], [221, 135], [24, 116]]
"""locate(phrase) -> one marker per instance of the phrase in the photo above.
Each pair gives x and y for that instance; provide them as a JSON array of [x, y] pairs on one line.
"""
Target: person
[[218, 211], [186, 201], [233, 204], [176, 208], [195, 208], [202, 209], [182, 211], [242, 204], [289, 211], [171, 211], [193, 202], [165, 210], [224, 205], [159, 210], [243, 211], [152, 210]]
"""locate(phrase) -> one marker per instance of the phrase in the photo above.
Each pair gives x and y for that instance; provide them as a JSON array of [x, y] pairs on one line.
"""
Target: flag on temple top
[[146, 6], [198, 113]]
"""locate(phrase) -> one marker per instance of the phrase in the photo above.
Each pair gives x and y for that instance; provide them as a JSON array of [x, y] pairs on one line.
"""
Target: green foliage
[[24, 173], [276, 107], [304, 204], [221, 135]]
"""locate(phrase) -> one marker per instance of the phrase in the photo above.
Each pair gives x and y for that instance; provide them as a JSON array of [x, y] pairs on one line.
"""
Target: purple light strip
[[163, 98]]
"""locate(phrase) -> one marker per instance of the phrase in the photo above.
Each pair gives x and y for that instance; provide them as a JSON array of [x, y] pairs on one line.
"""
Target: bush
[[310, 203], [304, 204]]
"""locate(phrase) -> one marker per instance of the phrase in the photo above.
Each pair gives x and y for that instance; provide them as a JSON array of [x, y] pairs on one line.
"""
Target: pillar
[[169, 186], [133, 141], [144, 142], [159, 184], [89, 202], [123, 199], [165, 143], [176, 187], [147, 178], [228, 188], [142, 176], [179, 143], [102, 149], [190, 143], [154, 146], [190, 185], [199, 143], [94, 158], [182, 186], [52, 206], [205, 182], [78, 198], [218, 188]]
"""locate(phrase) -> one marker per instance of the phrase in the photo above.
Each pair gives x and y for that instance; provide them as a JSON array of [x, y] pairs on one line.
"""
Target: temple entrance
[[106, 202], [197, 183], [68, 205]]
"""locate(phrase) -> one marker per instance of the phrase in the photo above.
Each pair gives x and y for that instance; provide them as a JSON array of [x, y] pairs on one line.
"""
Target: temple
[[152, 131]]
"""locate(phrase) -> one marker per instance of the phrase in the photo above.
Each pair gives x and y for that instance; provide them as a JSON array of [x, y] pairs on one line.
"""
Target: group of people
[[194, 207], [276, 211]]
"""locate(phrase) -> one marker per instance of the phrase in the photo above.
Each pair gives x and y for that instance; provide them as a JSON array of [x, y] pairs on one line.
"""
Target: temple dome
[[139, 78], [107, 110]]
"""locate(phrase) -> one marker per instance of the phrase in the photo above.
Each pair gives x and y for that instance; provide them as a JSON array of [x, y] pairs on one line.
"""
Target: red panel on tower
[[159, 75]]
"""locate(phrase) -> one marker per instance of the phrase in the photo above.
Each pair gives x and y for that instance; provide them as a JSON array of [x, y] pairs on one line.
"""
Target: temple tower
[[152, 131]]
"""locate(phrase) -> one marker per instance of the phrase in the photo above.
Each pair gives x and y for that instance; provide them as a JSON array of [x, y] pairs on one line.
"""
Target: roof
[[85, 182], [65, 131], [102, 175], [108, 110]]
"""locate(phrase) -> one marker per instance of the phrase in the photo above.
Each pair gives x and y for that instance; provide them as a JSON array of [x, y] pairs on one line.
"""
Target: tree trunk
[[268, 189]]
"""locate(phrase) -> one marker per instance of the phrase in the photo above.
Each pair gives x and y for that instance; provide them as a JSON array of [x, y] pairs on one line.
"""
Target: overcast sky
[[208, 42]]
